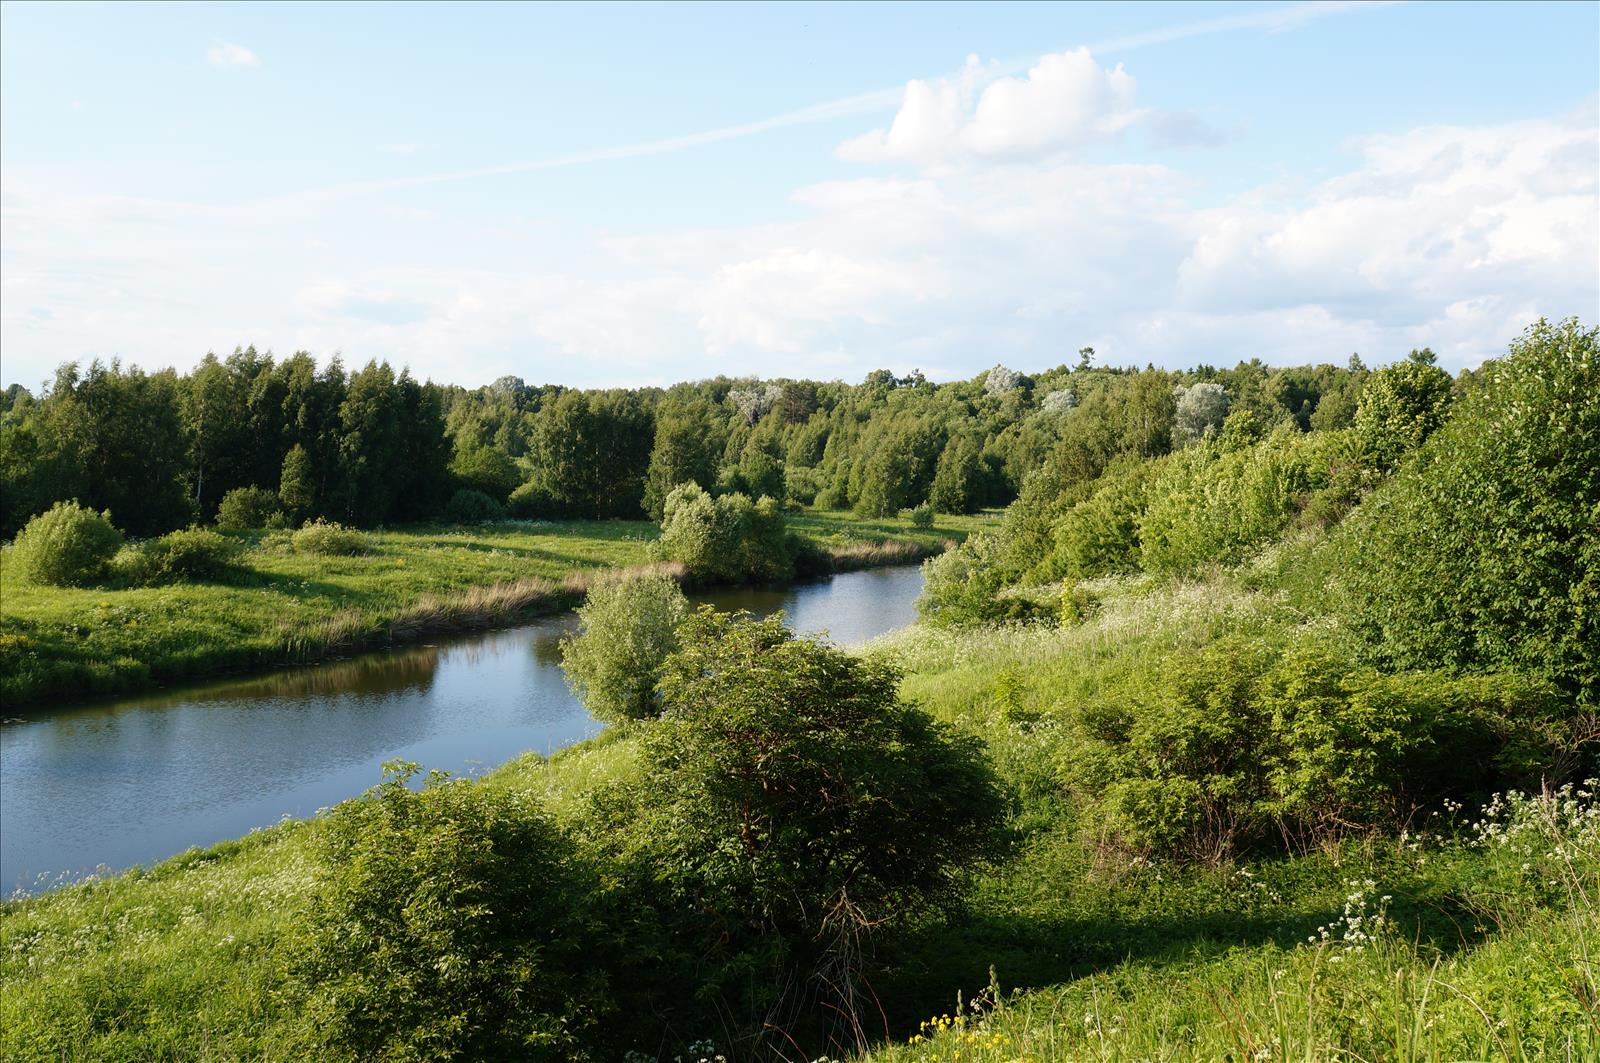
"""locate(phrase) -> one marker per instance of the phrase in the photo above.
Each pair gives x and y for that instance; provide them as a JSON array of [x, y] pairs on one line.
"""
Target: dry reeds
[[855, 556]]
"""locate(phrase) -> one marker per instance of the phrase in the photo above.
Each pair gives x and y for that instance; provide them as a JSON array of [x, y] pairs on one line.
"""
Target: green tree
[[727, 539], [628, 628], [297, 485], [957, 478], [1483, 550], [1401, 406], [685, 451], [370, 444], [589, 452], [249, 508], [788, 794]]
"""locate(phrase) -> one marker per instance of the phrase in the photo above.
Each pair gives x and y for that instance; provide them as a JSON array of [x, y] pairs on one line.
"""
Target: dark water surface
[[131, 781]]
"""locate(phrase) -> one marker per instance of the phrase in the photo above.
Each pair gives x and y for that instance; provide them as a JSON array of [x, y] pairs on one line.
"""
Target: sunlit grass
[[1454, 942], [283, 606]]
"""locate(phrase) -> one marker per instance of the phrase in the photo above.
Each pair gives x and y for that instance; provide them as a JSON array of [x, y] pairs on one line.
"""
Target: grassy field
[[1464, 940], [283, 606]]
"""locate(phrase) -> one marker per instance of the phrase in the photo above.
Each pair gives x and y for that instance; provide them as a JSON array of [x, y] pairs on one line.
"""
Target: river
[[110, 784]]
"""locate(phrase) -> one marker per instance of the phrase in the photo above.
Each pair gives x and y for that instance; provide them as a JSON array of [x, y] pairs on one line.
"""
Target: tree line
[[368, 447]]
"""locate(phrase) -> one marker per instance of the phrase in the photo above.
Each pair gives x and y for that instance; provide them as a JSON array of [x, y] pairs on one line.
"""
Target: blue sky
[[641, 194]]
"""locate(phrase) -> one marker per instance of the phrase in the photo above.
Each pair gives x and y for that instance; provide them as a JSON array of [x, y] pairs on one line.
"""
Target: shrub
[[196, 555], [1241, 742], [531, 501], [1482, 550], [249, 508], [727, 539], [467, 506], [1176, 767], [1214, 507], [787, 795], [441, 926], [330, 539], [922, 516], [1401, 406], [965, 586], [628, 629], [1101, 534], [68, 545]]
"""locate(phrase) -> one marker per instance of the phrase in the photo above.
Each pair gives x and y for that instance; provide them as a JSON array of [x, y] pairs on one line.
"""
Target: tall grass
[[1472, 939]]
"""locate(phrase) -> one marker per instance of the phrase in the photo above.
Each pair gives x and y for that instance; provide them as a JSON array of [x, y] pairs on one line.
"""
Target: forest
[[1263, 723], [161, 451]]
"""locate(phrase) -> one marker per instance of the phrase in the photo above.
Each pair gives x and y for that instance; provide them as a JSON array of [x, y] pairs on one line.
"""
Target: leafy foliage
[[727, 539], [249, 508], [1483, 549], [1200, 410], [629, 627], [329, 539], [787, 792], [1401, 405], [196, 556], [67, 546], [440, 927], [1240, 742], [469, 506]]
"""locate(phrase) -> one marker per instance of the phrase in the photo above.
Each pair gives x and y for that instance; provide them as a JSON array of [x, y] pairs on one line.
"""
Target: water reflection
[[141, 778]]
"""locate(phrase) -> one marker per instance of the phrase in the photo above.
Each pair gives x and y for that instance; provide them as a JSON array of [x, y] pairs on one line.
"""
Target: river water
[[116, 783]]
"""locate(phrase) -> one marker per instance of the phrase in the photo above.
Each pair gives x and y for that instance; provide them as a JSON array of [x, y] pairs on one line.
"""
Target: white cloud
[[228, 54], [399, 149], [1066, 100], [1451, 237]]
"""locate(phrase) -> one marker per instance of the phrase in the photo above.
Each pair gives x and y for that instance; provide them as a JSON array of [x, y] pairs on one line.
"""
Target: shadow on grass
[[924, 969]]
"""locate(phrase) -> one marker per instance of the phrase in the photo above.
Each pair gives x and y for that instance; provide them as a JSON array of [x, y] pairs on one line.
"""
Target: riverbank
[[1457, 949], [282, 607], [117, 782]]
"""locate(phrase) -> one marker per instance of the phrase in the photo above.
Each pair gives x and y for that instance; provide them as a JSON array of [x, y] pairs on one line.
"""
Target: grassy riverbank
[[1463, 940], [284, 606]]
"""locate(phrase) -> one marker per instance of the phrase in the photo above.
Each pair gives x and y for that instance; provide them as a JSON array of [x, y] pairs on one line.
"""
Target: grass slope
[[1458, 942], [58, 642]]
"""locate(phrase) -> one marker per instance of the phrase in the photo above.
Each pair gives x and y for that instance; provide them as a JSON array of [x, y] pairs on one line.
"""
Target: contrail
[[1273, 21]]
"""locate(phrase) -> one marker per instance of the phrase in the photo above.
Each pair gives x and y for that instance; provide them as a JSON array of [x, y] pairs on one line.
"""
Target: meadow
[[1467, 937], [280, 605]]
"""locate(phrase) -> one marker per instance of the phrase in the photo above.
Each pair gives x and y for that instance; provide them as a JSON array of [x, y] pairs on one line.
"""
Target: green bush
[[196, 556], [68, 545], [249, 508], [922, 516], [531, 502], [728, 539], [1401, 406], [1214, 506], [1239, 743], [443, 925], [1101, 534], [330, 539], [966, 586], [788, 796], [468, 506], [628, 629], [1482, 551], [487, 469]]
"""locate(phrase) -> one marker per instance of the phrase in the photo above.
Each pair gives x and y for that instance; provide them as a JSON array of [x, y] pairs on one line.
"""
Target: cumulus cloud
[[1450, 237], [229, 54], [1066, 100]]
